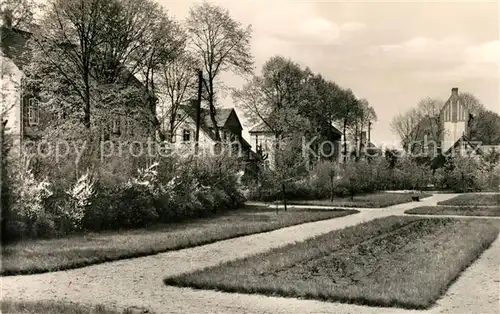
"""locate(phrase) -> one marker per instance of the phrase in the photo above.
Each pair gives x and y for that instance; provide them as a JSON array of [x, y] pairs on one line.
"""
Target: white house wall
[[452, 132], [11, 77]]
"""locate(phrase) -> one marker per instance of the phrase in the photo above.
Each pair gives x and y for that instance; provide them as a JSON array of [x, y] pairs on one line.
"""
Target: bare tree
[[474, 105], [404, 125], [221, 43], [178, 84], [428, 111]]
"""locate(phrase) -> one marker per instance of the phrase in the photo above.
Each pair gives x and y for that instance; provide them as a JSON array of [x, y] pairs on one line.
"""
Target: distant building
[[435, 135], [228, 124], [265, 142]]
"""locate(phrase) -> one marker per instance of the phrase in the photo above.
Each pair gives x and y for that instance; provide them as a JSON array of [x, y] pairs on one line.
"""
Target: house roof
[[13, 45], [260, 128], [439, 160], [221, 116]]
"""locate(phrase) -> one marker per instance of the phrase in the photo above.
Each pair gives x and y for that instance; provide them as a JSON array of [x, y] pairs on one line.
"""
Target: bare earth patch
[[396, 261], [473, 199], [456, 210], [38, 256]]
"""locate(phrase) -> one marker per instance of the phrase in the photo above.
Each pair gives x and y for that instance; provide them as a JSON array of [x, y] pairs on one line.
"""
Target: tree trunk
[[284, 194], [345, 140], [331, 188], [212, 107], [86, 117]]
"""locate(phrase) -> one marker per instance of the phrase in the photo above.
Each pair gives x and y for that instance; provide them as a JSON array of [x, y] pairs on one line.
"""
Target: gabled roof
[[264, 128], [221, 116], [439, 160], [260, 128]]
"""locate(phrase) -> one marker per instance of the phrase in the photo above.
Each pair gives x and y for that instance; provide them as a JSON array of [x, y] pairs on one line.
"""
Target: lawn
[[473, 200], [10, 307], [38, 256], [456, 210], [395, 261], [375, 200]]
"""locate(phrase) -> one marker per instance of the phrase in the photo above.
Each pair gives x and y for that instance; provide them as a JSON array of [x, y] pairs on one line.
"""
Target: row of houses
[[26, 119]]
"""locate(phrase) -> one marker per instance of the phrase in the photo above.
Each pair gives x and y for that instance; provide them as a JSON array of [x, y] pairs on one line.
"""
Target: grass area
[[456, 210], [395, 261], [11, 307], [473, 199], [38, 256], [375, 200]]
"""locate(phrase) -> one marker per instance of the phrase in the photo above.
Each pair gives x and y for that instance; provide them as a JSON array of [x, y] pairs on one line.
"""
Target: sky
[[392, 53]]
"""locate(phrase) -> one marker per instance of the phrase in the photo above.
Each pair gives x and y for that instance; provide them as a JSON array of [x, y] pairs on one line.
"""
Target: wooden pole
[[198, 110], [369, 130]]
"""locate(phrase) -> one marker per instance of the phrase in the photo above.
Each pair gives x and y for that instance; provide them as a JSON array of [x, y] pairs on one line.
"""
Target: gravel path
[[138, 282]]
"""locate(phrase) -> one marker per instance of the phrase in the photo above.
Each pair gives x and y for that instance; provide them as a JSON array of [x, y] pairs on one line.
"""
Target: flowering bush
[[29, 193], [27, 196], [81, 193], [148, 178]]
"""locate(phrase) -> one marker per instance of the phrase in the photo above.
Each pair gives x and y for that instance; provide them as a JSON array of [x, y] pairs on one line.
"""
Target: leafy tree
[[275, 97], [87, 55], [289, 165], [20, 12], [221, 43], [349, 111], [5, 182], [463, 173], [485, 127]]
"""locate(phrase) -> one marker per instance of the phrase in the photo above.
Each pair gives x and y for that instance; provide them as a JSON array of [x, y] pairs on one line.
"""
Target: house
[[327, 146], [25, 119], [436, 135], [228, 124]]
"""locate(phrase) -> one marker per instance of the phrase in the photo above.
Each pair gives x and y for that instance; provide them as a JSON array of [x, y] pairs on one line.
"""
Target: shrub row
[[166, 191]]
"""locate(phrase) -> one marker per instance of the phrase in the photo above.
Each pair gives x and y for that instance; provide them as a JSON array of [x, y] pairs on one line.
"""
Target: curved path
[[138, 282]]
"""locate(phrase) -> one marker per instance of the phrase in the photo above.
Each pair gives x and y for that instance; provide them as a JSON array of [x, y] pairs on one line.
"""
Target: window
[[186, 136], [33, 112], [130, 125], [115, 126]]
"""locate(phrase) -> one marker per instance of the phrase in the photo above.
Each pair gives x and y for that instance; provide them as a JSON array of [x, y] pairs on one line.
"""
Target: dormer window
[[33, 112]]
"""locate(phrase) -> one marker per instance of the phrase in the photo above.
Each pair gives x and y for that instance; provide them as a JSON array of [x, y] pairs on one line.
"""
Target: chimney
[[454, 91], [7, 18]]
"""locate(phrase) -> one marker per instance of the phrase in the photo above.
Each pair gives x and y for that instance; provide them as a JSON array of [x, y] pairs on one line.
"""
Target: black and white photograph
[[250, 156]]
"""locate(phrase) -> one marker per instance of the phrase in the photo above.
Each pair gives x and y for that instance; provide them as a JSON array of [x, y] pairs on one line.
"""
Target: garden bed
[[36, 256], [456, 210], [474, 199], [375, 200], [395, 261]]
